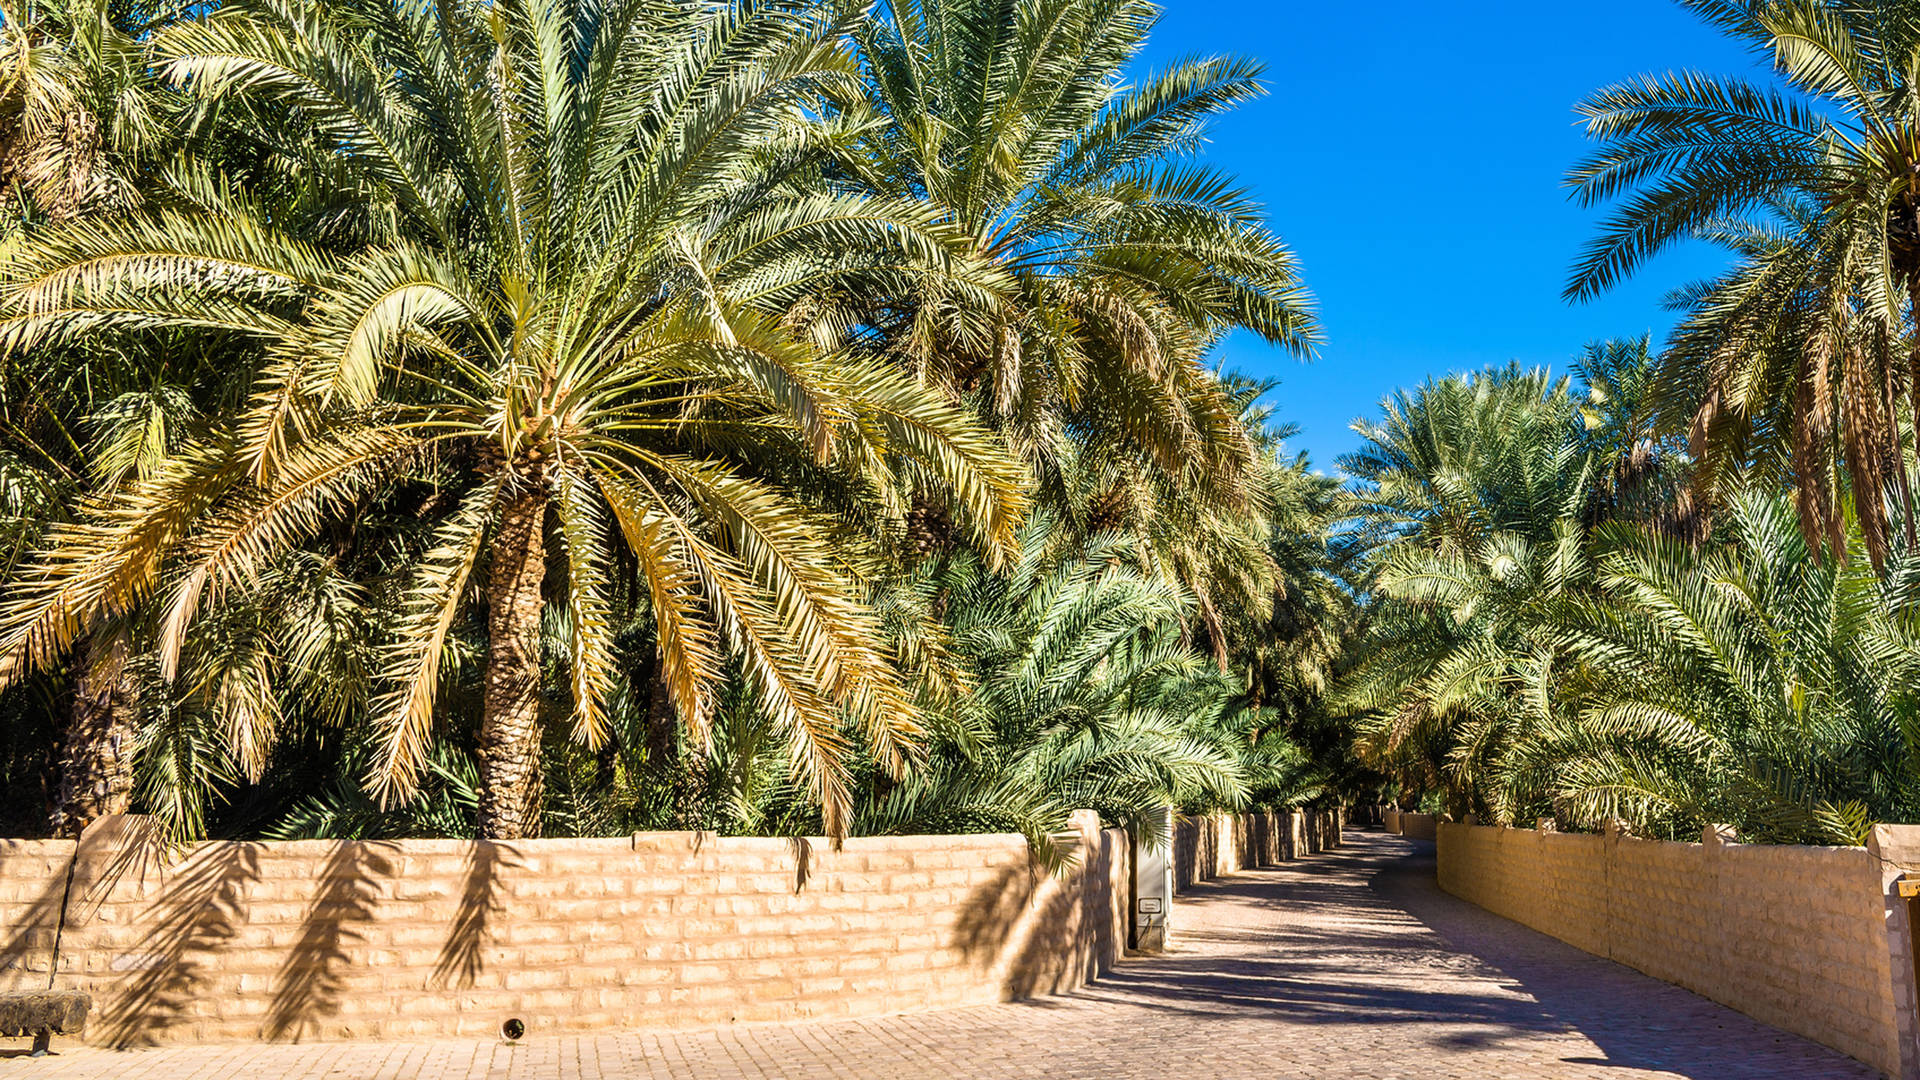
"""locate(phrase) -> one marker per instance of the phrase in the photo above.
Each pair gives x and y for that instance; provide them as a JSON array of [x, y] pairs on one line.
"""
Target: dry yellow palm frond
[[689, 652], [806, 646], [404, 715], [781, 676], [782, 681], [108, 560], [790, 556], [583, 533], [953, 450], [318, 482]]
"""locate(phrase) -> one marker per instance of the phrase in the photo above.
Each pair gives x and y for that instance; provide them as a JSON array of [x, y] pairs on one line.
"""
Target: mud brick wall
[[1798, 937], [1416, 826], [325, 940], [1215, 845]]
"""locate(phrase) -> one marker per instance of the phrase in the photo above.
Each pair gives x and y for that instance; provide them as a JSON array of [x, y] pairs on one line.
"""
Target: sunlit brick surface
[[313, 941], [1794, 936], [1351, 964]]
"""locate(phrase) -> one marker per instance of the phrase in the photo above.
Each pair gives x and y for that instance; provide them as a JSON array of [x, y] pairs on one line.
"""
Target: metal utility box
[[1152, 882]]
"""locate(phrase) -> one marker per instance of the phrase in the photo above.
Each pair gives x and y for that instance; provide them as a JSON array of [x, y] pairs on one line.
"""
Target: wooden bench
[[43, 1014]]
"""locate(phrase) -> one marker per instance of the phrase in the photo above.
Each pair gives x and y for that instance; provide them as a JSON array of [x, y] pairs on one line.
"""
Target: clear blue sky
[[1412, 155]]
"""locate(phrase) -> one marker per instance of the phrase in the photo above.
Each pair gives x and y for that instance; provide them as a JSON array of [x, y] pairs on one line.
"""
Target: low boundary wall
[[326, 940], [1813, 940], [1411, 825], [1215, 845]]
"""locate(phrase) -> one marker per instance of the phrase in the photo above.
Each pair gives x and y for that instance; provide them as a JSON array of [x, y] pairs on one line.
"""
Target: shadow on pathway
[[1364, 937], [1350, 965]]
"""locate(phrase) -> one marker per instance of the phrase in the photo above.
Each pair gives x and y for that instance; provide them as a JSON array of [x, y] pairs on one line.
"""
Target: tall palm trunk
[[1913, 392], [96, 754], [96, 751], [663, 748], [510, 728]]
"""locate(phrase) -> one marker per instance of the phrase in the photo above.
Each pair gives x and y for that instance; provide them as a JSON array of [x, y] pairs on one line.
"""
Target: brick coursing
[[325, 940], [1215, 845], [1797, 937]]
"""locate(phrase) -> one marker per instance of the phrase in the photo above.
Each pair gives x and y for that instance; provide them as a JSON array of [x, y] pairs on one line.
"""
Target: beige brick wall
[[1797, 937], [349, 940], [1415, 826], [1216, 845], [33, 876]]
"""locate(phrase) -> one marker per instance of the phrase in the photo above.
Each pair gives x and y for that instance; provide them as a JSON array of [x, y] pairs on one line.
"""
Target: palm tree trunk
[[1913, 401], [510, 727], [663, 747], [96, 754]]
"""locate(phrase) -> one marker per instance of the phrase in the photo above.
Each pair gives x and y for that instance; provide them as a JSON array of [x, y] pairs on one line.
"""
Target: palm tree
[[1643, 473], [1471, 494], [79, 123], [1289, 646], [1807, 344], [1259, 566], [1741, 682], [1539, 640], [75, 102], [578, 292], [1463, 458], [1077, 690], [1012, 121]]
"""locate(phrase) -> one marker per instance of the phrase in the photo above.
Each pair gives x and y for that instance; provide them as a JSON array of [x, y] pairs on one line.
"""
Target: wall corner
[[1895, 852]]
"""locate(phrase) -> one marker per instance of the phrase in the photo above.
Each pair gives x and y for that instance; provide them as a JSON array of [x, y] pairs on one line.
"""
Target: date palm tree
[[79, 122], [1642, 472], [580, 286], [1080, 693], [1470, 493], [1012, 121], [75, 101], [1807, 346], [1742, 682]]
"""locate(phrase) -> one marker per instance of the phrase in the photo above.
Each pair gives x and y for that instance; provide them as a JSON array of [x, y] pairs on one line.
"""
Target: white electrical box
[[1153, 881]]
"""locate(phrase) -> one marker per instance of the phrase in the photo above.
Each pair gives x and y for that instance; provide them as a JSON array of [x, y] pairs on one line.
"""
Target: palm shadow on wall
[[202, 904], [32, 932], [1064, 947], [195, 915], [101, 859], [460, 961], [312, 980]]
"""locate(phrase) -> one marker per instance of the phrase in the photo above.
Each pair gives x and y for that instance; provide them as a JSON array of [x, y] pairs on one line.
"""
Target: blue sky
[[1412, 155]]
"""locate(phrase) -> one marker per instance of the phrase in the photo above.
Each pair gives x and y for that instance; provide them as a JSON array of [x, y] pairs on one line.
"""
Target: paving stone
[[1348, 964]]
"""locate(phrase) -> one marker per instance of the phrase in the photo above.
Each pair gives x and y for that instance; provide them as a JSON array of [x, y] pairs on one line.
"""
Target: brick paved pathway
[[1351, 964]]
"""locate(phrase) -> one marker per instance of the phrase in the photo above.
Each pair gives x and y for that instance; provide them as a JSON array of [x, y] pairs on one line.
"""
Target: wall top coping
[[30, 848], [773, 845], [648, 842], [1896, 844], [1727, 850]]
